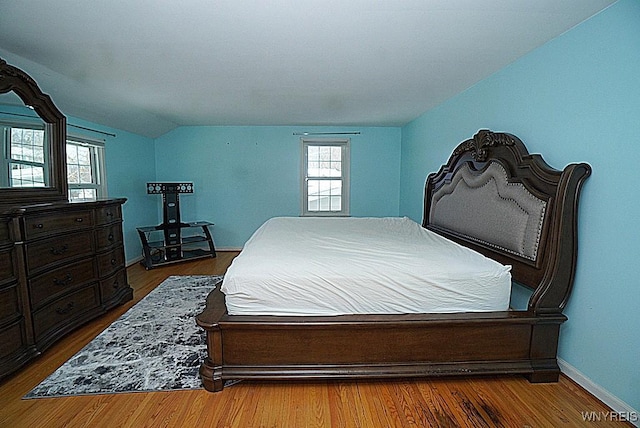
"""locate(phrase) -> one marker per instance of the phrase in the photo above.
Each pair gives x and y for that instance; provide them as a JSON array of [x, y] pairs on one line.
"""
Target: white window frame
[[5, 143], [344, 144], [98, 166]]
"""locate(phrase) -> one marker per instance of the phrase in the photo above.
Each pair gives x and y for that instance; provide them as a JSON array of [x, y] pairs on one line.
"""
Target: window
[[325, 178], [85, 169], [25, 158]]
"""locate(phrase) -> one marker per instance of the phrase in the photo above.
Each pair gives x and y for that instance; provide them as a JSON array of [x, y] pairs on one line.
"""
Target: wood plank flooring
[[461, 402]]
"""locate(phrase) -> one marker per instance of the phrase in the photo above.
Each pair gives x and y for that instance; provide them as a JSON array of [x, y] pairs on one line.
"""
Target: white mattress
[[335, 266]]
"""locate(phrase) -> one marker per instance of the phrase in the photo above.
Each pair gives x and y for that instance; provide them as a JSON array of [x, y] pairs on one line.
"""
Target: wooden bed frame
[[418, 345]]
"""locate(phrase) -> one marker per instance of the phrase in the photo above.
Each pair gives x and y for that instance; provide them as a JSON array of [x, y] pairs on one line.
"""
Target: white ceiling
[[147, 66]]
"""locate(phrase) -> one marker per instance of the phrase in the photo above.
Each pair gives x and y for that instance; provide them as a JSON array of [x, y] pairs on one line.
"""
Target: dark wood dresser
[[62, 264]]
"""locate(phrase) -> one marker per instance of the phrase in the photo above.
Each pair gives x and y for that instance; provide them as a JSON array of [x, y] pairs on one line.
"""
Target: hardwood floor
[[464, 402]]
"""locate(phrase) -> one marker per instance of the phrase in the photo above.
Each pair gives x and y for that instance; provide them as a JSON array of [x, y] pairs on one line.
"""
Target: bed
[[517, 215]]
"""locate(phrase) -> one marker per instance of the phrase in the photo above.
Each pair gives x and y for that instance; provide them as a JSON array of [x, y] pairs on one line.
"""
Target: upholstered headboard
[[495, 197]]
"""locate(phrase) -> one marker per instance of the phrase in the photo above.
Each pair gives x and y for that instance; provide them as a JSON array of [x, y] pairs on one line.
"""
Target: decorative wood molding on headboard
[[481, 141]]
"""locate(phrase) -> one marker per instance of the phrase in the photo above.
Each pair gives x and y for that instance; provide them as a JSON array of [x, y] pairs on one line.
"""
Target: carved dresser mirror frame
[[13, 79]]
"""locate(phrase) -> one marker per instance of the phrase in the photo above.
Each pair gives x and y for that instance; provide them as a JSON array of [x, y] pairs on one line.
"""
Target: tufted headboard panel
[[495, 197], [484, 207]]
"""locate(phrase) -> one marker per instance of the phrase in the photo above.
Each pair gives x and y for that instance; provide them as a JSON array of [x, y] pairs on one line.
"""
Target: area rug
[[155, 346]]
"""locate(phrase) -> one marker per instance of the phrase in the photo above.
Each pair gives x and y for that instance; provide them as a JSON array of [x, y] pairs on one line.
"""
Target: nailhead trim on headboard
[[476, 219]]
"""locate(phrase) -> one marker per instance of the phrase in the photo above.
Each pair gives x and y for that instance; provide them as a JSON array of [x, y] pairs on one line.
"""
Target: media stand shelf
[[163, 245]]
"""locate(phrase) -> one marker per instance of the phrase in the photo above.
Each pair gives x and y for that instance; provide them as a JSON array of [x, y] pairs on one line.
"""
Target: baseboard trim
[[616, 404], [132, 262], [229, 249]]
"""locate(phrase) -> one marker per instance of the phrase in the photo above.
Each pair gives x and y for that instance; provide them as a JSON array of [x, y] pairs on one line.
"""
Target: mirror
[[25, 145], [33, 142]]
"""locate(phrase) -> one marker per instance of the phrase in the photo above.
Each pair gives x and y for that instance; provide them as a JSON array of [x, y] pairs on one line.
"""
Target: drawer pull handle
[[38, 226], [109, 214], [79, 220], [111, 237], [66, 309], [113, 262], [116, 284], [60, 250], [65, 281]]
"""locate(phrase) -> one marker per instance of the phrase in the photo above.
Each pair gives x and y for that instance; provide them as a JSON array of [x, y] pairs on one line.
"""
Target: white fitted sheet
[[336, 266]]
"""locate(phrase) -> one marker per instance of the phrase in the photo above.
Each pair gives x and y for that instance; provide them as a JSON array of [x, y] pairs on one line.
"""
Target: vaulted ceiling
[[148, 66]]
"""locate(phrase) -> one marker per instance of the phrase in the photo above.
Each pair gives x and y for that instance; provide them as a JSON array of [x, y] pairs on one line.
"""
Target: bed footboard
[[376, 346]]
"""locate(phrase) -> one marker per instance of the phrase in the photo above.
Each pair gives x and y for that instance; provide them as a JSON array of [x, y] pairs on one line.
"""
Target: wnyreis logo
[[609, 416]]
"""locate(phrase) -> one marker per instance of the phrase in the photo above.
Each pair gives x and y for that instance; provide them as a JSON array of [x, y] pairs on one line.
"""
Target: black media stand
[[158, 252], [166, 243]]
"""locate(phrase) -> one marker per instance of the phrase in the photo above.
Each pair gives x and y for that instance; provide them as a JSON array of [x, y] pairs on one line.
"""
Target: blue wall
[[577, 98], [245, 175]]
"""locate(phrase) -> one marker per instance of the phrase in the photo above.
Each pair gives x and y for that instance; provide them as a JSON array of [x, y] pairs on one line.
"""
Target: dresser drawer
[[112, 285], [52, 251], [53, 284], [13, 339], [109, 236], [9, 304], [108, 214], [46, 224], [7, 273], [59, 316], [4, 230], [110, 262]]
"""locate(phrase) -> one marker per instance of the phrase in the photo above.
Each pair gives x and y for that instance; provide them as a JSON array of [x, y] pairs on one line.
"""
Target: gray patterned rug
[[155, 346]]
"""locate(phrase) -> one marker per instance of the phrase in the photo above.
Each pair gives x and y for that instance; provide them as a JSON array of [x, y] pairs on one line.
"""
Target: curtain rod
[[327, 133], [68, 124], [92, 130]]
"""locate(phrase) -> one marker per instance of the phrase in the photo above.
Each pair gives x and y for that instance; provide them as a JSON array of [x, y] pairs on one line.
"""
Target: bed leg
[[543, 377], [543, 352], [211, 377], [544, 374], [211, 367]]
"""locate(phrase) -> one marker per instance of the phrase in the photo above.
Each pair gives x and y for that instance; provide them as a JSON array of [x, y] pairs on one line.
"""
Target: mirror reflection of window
[[25, 158]]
